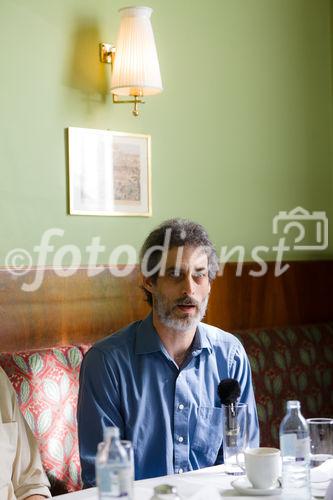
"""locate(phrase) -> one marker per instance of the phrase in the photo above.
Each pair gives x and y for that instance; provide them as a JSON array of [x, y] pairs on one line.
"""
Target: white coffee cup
[[263, 467]]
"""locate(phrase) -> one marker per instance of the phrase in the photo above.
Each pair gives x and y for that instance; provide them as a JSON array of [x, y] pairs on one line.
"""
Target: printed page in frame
[[109, 173]]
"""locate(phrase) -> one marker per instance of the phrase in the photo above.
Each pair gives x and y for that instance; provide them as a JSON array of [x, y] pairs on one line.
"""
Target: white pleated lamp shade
[[136, 70]]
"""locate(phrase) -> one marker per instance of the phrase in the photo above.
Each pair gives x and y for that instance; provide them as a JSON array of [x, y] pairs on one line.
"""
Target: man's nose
[[188, 285]]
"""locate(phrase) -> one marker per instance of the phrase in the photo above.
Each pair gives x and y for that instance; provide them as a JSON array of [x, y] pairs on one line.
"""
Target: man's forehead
[[187, 255]]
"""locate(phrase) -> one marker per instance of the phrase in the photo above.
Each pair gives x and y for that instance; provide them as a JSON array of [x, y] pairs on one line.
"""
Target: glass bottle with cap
[[114, 477], [165, 492], [295, 452]]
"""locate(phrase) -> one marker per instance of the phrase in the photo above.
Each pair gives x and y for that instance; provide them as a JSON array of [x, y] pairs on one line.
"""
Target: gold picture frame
[[109, 173]]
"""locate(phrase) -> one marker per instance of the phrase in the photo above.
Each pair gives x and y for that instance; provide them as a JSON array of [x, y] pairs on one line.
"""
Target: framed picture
[[109, 173]]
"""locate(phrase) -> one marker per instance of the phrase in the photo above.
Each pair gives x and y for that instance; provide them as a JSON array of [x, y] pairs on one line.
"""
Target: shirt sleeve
[[28, 476], [98, 407], [241, 370]]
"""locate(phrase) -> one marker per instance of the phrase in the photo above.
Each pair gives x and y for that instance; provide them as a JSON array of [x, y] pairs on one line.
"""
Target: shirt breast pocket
[[8, 442], [207, 437]]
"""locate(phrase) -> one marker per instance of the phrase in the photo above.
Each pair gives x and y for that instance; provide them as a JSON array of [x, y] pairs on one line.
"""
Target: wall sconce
[[134, 62]]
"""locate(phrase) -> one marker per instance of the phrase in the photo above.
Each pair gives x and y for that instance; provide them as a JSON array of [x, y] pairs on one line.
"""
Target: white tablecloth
[[187, 485], [205, 484]]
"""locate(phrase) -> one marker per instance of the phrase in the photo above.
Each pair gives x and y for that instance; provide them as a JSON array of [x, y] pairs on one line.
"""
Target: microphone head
[[229, 391]]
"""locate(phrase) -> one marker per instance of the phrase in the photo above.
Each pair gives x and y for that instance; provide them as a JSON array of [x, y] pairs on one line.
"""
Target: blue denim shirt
[[173, 416]]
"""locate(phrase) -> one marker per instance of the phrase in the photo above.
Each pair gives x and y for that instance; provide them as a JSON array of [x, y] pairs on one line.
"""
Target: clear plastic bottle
[[295, 451], [114, 477]]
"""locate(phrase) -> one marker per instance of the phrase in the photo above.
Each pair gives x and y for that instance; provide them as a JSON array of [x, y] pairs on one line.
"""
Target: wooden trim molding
[[79, 309], [301, 295]]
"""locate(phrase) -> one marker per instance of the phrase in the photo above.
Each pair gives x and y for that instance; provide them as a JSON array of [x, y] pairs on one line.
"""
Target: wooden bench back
[[81, 309]]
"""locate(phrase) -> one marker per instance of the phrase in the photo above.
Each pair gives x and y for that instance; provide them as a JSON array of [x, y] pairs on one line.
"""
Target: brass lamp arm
[[107, 53]]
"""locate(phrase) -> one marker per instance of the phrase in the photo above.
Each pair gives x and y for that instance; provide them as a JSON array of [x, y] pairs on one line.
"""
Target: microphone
[[229, 391]]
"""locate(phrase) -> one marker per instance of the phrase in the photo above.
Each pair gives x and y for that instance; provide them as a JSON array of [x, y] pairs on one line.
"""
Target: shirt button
[[180, 471], [180, 439], [181, 406]]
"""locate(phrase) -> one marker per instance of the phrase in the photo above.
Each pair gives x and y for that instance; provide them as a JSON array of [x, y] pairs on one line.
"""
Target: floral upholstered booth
[[46, 382], [290, 363]]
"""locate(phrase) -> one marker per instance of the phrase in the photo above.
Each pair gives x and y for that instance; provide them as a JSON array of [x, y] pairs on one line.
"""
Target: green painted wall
[[242, 130]]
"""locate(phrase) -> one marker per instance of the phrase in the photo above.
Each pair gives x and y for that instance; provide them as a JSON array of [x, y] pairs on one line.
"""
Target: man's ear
[[147, 283]]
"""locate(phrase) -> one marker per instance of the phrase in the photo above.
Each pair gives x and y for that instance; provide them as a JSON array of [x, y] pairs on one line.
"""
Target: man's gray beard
[[178, 324]]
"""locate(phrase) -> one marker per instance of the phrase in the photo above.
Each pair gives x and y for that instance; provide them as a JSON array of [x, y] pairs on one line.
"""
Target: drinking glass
[[235, 437], [321, 440]]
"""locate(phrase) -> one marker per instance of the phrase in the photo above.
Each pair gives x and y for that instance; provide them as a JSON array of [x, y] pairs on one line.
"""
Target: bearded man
[[157, 379]]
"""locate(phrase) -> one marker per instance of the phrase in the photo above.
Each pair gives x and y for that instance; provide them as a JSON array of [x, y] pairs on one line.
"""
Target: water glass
[[235, 437], [321, 440]]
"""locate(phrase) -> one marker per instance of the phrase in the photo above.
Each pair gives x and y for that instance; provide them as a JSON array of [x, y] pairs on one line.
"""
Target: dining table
[[211, 483]]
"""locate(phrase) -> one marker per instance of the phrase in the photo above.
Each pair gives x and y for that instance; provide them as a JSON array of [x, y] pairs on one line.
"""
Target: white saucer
[[243, 485]]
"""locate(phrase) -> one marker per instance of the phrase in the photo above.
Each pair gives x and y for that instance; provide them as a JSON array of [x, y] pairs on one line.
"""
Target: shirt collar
[[147, 339], [201, 340]]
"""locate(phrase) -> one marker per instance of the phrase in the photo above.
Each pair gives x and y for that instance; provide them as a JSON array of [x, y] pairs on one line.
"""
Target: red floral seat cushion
[[290, 363], [47, 383]]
